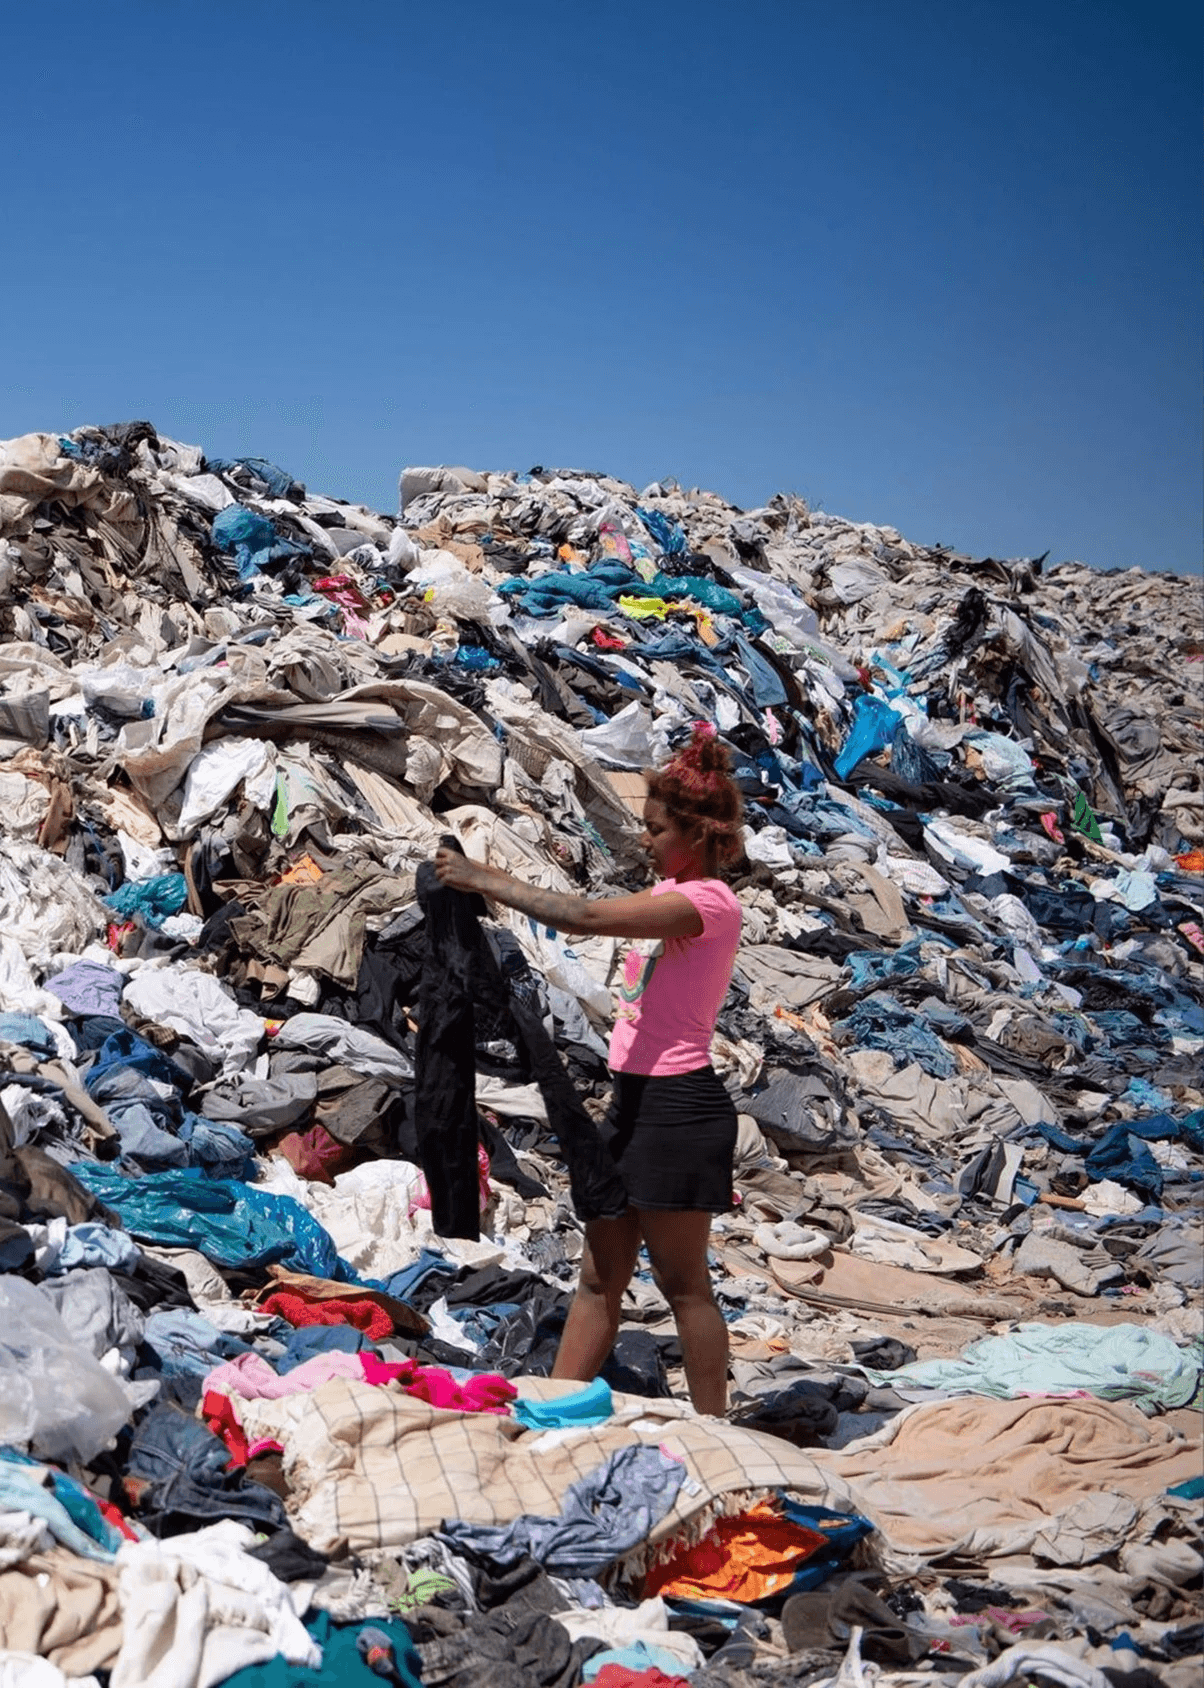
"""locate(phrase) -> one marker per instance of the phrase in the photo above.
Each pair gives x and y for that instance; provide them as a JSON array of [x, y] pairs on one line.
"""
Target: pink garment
[[487, 1392], [253, 1379], [672, 989]]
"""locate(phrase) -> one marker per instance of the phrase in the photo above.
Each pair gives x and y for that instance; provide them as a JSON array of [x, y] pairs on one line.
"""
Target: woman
[[671, 1126]]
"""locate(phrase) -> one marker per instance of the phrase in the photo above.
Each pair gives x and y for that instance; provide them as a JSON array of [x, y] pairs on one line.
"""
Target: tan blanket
[[964, 1481], [371, 1469]]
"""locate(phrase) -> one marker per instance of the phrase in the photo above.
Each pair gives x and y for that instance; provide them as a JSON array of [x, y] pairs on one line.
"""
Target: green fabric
[[422, 1589], [1113, 1362], [1083, 820], [280, 808], [341, 1665]]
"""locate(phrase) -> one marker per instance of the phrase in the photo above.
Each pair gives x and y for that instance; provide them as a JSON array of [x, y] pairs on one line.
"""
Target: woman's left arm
[[639, 916]]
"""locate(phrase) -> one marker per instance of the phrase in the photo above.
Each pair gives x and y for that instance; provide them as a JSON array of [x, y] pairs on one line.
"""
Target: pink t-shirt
[[672, 989]]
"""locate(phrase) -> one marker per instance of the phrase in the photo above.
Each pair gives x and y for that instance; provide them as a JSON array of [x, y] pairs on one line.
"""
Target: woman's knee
[[677, 1249], [593, 1281], [608, 1258], [684, 1285]]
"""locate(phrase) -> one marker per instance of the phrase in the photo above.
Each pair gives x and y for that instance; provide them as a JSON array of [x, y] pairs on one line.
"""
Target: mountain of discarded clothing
[[963, 1036]]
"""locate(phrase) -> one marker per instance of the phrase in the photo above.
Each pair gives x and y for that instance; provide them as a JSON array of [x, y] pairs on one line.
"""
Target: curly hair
[[701, 797]]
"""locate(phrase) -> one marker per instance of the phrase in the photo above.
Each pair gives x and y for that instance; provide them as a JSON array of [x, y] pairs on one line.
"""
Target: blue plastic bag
[[150, 900]]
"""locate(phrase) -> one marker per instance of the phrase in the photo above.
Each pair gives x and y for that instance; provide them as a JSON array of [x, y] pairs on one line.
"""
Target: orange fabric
[[303, 872], [745, 1559], [1192, 861]]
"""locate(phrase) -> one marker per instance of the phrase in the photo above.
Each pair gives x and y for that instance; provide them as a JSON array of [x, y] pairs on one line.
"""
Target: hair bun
[[706, 753], [699, 793]]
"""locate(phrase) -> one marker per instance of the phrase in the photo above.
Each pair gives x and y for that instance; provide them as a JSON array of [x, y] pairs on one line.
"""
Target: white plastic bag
[[625, 741], [53, 1396], [448, 587]]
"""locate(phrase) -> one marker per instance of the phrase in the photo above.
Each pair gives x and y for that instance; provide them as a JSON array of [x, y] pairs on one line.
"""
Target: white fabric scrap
[[218, 770], [197, 1006], [196, 1608]]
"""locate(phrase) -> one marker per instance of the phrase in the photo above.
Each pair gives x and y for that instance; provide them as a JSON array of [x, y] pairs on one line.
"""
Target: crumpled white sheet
[[218, 770], [911, 874], [964, 849], [31, 1112], [24, 804], [156, 752], [366, 1211], [27, 1670], [196, 1608], [22, 1534], [625, 741], [197, 1006], [892, 1244], [18, 993], [1109, 1197], [1016, 920], [45, 907], [1049, 1661], [770, 846]]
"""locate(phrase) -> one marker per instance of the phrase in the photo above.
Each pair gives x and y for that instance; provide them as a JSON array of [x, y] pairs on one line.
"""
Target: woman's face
[[673, 853]]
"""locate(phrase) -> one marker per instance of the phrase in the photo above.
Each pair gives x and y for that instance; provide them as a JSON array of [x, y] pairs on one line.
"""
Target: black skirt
[[673, 1140]]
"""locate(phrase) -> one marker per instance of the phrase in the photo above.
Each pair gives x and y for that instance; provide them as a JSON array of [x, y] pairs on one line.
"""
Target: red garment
[[345, 1310], [219, 1413], [1050, 824], [485, 1393], [607, 641], [116, 1518], [316, 1155], [622, 1676]]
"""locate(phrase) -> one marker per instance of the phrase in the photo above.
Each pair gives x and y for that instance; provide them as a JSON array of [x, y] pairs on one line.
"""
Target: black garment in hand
[[459, 970], [445, 1107]]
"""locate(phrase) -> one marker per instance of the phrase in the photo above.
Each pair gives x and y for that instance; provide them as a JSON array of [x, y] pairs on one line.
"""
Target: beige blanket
[[961, 1482], [370, 1469]]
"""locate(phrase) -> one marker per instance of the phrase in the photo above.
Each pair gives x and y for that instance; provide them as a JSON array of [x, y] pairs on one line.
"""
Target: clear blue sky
[[933, 263]]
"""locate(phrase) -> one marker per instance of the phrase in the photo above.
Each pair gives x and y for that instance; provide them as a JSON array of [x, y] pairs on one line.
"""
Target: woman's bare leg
[[607, 1262], [677, 1248]]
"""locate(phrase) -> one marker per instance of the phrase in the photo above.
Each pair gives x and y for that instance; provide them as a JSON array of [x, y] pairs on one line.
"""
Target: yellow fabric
[[643, 607]]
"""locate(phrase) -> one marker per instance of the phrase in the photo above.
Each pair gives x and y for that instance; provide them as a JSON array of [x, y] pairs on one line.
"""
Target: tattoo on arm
[[551, 908]]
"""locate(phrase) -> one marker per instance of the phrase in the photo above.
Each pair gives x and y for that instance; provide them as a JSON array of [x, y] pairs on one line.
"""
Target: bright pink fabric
[[487, 1392], [668, 1000], [622, 1676]]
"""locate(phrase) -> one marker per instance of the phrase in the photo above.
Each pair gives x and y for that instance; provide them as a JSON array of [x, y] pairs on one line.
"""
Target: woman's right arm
[[640, 916]]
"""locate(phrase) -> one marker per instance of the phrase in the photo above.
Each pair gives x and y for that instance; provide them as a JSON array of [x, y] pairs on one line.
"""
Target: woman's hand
[[458, 873]]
